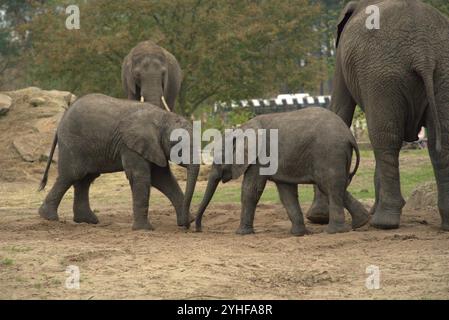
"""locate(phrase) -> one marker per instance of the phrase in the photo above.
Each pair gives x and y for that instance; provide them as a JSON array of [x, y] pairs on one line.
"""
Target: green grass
[[415, 169], [17, 249], [6, 262]]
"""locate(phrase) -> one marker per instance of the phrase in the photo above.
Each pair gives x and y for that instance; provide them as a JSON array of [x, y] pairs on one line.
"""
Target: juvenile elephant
[[152, 74], [314, 146], [99, 134], [399, 75]]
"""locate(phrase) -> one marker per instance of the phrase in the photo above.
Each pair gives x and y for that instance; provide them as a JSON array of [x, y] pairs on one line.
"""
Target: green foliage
[[230, 119], [227, 49], [6, 262], [442, 5]]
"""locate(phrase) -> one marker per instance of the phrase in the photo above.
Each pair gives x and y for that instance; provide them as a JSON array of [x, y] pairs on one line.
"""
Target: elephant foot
[[318, 214], [386, 221], [299, 231], [86, 217], [245, 230], [360, 220], [182, 223], [142, 226], [444, 213], [334, 228], [47, 213]]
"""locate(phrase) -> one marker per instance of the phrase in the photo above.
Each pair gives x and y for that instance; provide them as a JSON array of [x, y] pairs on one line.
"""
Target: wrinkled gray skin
[[150, 71], [99, 134], [399, 75], [315, 146]]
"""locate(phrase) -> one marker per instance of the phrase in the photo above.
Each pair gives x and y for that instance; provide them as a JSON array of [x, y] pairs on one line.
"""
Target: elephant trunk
[[152, 92], [192, 176], [212, 183]]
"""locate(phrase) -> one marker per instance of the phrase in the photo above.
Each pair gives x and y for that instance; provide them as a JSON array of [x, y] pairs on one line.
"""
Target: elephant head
[[148, 132], [224, 172], [145, 74]]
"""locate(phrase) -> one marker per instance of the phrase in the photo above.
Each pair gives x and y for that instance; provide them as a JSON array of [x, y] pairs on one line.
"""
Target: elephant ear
[[173, 79], [345, 15], [237, 170], [141, 133], [127, 77]]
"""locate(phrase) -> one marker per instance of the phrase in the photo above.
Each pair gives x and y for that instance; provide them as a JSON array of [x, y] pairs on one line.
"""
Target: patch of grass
[[17, 249], [37, 286], [6, 262]]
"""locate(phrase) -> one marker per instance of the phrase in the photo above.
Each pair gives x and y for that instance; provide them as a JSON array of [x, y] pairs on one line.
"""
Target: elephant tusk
[[142, 99], [165, 104]]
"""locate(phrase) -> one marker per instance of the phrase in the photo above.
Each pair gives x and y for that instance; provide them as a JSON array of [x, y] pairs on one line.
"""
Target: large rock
[[27, 131], [5, 104], [31, 147], [424, 197]]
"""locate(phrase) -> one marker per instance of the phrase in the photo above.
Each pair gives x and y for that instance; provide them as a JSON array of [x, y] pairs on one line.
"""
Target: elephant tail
[[355, 147], [50, 159], [430, 91]]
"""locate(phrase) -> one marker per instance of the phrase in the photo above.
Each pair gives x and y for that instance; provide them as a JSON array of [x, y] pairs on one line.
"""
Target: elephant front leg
[[141, 195], [163, 180], [138, 171], [319, 211], [390, 203], [359, 215], [288, 193], [252, 189]]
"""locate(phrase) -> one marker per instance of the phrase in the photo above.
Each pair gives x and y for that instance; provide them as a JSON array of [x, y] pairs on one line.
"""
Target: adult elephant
[[99, 134], [399, 75], [152, 74]]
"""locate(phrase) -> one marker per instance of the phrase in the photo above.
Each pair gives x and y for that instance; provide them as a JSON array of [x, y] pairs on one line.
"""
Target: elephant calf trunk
[[212, 184]]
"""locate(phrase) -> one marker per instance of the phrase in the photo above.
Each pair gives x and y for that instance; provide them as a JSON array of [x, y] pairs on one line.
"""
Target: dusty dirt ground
[[171, 263]]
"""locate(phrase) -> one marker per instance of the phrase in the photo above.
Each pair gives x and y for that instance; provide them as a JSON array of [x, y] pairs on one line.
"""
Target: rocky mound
[[28, 119], [424, 197]]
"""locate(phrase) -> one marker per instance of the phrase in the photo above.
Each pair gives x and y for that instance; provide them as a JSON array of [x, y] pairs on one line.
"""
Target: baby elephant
[[99, 134], [315, 147]]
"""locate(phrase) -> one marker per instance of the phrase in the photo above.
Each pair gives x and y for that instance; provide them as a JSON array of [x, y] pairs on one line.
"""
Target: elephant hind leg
[[359, 214], [288, 194], [81, 206], [386, 138], [138, 172], [49, 208]]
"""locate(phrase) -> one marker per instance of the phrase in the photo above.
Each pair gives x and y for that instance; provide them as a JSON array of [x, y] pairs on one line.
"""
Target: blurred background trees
[[228, 49]]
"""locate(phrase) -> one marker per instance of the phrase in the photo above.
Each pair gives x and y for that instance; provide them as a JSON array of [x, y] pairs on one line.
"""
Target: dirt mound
[[27, 129], [424, 197]]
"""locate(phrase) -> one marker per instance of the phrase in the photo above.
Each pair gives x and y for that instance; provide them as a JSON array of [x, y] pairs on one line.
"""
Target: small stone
[[5, 104], [37, 101]]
